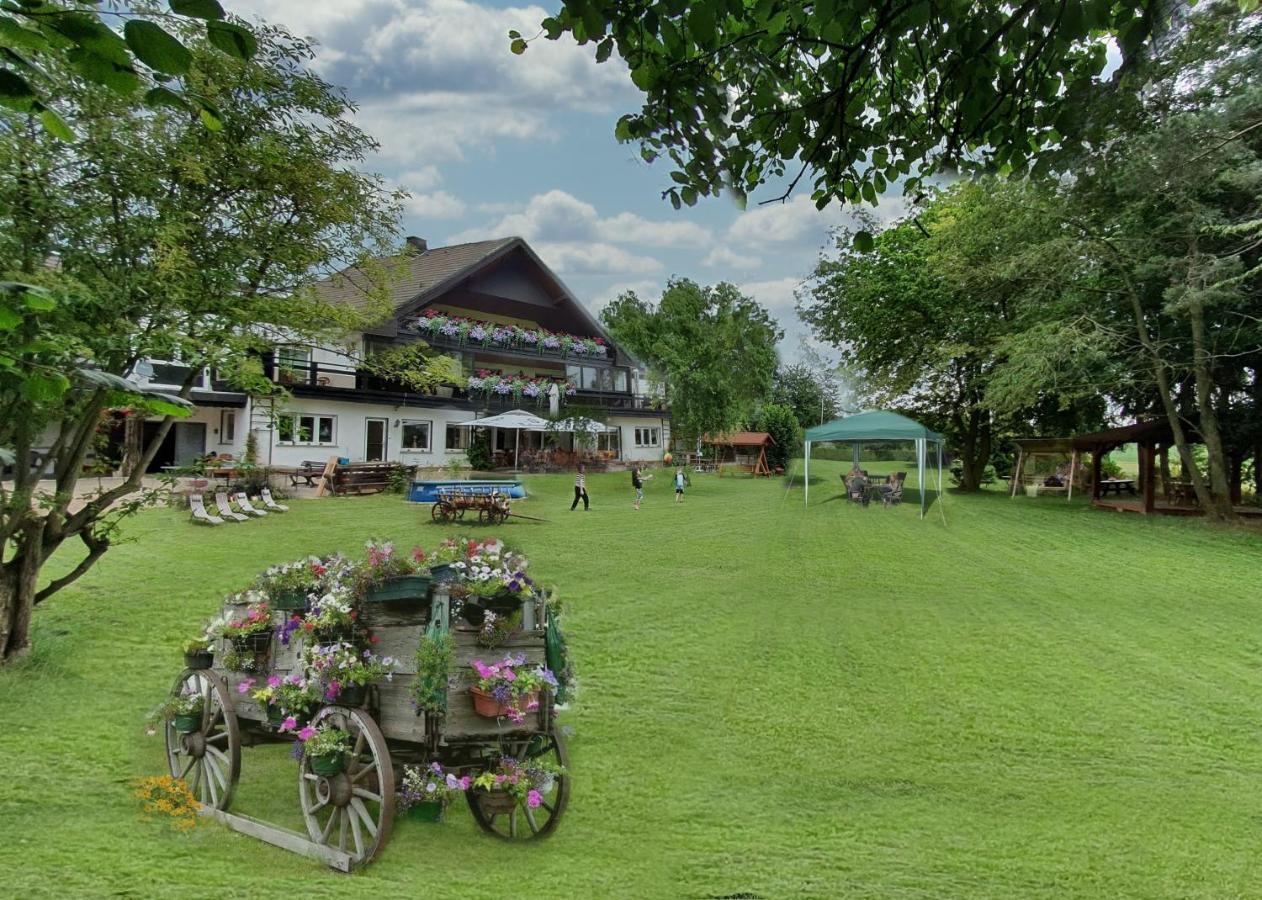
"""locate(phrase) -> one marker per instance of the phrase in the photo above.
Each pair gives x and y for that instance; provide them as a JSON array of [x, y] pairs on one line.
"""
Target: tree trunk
[[975, 442], [1220, 500], [18, 578]]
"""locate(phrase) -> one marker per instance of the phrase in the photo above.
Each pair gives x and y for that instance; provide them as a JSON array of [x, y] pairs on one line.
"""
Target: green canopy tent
[[877, 425]]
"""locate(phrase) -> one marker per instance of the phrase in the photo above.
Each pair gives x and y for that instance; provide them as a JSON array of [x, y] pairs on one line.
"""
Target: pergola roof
[[1045, 445], [1156, 431], [740, 439]]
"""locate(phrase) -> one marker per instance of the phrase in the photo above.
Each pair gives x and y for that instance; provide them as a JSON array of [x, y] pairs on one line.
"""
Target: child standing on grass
[[637, 482], [679, 485], [580, 488]]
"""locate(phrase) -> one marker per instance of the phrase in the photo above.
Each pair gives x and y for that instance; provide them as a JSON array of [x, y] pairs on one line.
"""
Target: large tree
[[714, 347], [156, 237], [810, 392], [853, 95]]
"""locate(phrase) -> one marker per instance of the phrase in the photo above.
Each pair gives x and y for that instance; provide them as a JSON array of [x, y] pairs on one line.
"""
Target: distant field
[[1034, 699]]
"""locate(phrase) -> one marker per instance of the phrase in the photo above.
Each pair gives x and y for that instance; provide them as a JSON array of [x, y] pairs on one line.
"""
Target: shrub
[[781, 423], [479, 452]]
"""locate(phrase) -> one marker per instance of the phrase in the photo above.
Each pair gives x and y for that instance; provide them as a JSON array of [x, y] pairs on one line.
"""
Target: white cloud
[[559, 219], [587, 258], [797, 220], [775, 295], [723, 257], [438, 205], [421, 179], [435, 77]]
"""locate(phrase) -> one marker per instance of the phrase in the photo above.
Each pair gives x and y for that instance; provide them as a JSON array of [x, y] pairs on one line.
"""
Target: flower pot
[[275, 715], [187, 723], [328, 765], [485, 704], [353, 695], [339, 635], [253, 643], [199, 659], [427, 812], [289, 600], [403, 588], [497, 802]]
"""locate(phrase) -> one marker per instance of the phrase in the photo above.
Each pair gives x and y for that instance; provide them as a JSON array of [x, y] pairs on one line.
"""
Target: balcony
[[340, 382], [473, 335]]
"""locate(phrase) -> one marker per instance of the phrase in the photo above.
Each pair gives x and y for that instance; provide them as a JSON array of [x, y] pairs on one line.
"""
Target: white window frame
[[465, 430], [295, 428], [429, 436], [227, 426], [648, 436]]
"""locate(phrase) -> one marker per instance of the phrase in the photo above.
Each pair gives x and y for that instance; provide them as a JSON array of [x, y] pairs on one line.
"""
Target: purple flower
[[477, 333], [449, 329], [503, 388], [531, 390], [529, 337], [551, 343], [289, 724]]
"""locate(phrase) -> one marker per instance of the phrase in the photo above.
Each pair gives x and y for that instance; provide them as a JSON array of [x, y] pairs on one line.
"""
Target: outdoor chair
[[270, 503], [895, 493], [221, 502], [200, 513], [243, 504], [857, 490]]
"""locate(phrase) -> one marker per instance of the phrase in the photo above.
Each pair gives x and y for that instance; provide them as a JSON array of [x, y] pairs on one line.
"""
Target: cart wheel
[[442, 512], [209, 759], [521, 823], [485, 516], [354, 810]]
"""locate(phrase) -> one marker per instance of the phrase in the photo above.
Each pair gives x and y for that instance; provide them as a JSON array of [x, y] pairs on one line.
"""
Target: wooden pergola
[[1150, 438], [754, 443]]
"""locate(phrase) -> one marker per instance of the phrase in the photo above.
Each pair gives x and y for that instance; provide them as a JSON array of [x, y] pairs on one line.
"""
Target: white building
[[502, 313]]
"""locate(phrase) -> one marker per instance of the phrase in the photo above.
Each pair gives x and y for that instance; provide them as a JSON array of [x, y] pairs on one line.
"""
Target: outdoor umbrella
[[516, 419]]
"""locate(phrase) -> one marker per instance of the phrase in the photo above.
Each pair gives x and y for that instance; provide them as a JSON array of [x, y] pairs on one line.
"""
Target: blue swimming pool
[[427, 491]]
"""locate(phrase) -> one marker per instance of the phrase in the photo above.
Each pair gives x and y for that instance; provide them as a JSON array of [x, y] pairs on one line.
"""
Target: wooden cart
[[349, 816], [453, 502]]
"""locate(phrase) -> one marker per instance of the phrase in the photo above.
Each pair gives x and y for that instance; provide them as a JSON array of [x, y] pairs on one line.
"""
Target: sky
[[490, 145]]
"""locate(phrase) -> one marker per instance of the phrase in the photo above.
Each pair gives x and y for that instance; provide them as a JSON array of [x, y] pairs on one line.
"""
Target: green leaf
[[863, 241], [1248, 6], [518, 46], [210, 119], [197, 9], [99, 70], [55, 125], [41, 388], [701, 24], [37, 299], [14, 35], [604, 49], [9, 319], [157, 49], [232, 39], [87, 33], [690, 196], [160, 97]]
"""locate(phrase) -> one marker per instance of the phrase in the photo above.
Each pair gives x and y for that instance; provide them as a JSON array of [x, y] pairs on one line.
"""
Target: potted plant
[[345, 673], [425, 791], [184, 712], [326, 747], [497, 628], [253, 630], [289, 586], [197, 653], [333, 616], [387, 577], [507, 689], [289, 700], [512, 783]]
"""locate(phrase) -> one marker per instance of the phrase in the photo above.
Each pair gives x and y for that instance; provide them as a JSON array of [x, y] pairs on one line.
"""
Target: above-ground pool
[[427, 491]]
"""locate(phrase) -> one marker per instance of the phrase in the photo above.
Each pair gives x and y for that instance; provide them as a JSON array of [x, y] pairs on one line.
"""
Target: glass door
[[375, 439]]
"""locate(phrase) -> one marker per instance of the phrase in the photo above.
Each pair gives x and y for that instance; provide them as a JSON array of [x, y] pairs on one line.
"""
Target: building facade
[[520, 337]]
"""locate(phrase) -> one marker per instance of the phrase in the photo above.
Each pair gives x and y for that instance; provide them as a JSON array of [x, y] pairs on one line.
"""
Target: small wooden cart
[[349, 816]]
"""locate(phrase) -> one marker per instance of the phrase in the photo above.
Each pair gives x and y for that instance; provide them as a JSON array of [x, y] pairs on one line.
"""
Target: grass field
[[1033, 699]]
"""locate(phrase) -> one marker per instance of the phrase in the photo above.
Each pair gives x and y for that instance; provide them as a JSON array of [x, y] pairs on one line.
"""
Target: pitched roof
[[409, 275]]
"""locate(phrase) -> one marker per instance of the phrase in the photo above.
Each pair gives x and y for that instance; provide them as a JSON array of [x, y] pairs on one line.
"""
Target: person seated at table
[[857, 486], [855, 472]]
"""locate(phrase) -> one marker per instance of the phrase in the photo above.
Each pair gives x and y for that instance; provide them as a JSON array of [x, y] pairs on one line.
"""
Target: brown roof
[[1156, 431], [407, 276], [740, 439]]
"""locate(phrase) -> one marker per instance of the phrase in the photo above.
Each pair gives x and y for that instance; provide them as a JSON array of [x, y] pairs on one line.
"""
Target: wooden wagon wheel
[[520, 822], [209, 759], [442, 511], [353, 811]]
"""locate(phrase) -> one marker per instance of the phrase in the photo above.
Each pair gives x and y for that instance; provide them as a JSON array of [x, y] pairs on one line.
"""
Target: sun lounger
[[272, 504], [243, 504], [200, 514], [221, 501]]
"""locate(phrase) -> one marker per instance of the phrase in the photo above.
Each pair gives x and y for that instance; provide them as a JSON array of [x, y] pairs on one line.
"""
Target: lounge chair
[[243, 504], [221, 501], [200, 513], [272, 504]]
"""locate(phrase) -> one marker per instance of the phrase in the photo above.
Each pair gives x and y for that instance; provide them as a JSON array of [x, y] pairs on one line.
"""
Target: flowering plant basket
[[197, 654], [507, 689], [326, 748], [344, 672], [290, 701], [253, 630], [185, 712], [425, 791], [512, 782]]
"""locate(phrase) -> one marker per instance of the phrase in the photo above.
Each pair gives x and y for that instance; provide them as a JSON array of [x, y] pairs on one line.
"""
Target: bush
[[479, 452], [1110, 469], [400, 479], [781, 423], [252, 480]]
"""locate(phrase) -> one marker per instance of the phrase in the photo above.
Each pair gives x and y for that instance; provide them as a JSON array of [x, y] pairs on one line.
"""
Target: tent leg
[[806, 477], [920, 470]]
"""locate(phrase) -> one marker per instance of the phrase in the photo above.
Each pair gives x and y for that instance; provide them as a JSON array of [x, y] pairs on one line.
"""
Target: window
[[459, 437], [298, 428], [610, 440], [173, 373], [619, 380], [647, 437], [293, 357], [415, 435], [227, 426]]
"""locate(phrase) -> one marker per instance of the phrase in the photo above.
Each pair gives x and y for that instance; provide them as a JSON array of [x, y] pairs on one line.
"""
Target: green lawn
[[1033, 700]]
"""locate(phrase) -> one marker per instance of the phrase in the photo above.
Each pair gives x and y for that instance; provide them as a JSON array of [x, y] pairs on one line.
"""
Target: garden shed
[[744, 451]]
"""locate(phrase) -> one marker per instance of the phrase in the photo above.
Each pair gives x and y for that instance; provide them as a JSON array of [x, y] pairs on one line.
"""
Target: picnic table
[[307, 473], [1116, 486]]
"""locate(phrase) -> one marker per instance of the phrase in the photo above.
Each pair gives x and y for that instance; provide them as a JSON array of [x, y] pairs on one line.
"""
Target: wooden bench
[[365, 477]]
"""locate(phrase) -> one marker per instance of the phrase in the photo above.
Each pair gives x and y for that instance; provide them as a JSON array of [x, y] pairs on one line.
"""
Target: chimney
[[418, 245]]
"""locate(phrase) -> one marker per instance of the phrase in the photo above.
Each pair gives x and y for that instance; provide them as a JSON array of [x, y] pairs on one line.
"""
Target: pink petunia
[[289, 724], [533, 799], [273, 681], [244, 687], [306, 734], [509, 674]]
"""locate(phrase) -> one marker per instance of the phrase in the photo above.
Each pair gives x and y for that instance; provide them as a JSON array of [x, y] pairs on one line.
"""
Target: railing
[[334, 378], [517, 347]]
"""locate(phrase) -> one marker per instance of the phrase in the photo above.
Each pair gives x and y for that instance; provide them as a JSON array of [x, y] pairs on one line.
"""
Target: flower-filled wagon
[[403, 681]]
